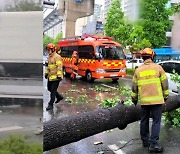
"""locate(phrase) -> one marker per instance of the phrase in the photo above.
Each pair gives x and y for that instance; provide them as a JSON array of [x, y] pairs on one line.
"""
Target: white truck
[[21, 39]]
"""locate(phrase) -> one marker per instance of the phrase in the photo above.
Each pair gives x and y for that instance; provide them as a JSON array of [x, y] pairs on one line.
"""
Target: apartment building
[[130, 9], [91, 24], [174, 34]]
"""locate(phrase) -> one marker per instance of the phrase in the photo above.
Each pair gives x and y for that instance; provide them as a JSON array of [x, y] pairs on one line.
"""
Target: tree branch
[[59, 132]]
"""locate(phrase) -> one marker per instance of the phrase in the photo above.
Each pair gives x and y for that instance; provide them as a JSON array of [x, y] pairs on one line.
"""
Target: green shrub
[[173, 117], [130, 71], [18, 145]]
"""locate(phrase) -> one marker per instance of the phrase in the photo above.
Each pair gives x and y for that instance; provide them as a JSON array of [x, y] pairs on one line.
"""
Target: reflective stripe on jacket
[[150, 84], [54, 68]]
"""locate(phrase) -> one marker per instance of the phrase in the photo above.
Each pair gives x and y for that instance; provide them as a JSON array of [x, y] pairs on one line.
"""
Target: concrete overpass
[[68, 11]]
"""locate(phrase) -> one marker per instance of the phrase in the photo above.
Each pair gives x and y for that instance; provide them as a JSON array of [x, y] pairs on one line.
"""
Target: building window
[[168, 43]]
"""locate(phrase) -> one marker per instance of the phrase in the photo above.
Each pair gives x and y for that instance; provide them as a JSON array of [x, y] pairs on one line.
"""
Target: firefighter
[[150, 88], [74, 64], [53, 74]]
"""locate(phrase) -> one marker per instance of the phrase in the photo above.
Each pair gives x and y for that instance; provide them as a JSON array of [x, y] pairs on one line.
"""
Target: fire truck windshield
[[110, 53]]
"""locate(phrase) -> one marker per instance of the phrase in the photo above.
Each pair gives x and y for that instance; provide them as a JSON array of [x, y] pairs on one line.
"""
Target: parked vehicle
[[99, 57], [128, 57], [168, 67], [134, 63]]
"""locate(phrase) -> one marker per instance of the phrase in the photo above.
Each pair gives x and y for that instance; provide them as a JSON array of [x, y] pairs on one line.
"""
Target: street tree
[[177, 8], [116, 25], [24, 5], [58, 37], [155, 21], [136, 39], [125, 32], [47, 39]]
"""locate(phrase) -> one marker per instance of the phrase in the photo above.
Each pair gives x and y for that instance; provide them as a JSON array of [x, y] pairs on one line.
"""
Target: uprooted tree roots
[[59, 132]]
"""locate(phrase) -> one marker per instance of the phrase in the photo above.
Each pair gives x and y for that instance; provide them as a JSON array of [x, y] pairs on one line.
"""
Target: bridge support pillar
[[74, 10], [70, 28]]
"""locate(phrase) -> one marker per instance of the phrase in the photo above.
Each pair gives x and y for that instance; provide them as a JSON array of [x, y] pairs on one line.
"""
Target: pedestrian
[[150, 88], [53, 74], [74, 64]]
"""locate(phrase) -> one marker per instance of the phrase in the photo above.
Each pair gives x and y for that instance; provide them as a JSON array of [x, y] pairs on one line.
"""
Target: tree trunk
[[59, 132]]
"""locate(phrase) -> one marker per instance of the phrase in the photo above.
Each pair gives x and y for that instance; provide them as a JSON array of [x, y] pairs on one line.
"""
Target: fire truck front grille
[[112, 70]]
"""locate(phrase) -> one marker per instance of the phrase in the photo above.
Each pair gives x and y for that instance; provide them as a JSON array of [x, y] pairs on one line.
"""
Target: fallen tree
[[59, 132]]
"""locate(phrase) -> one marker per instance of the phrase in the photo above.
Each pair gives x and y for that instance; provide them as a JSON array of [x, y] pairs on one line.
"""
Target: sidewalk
[[21, 89]]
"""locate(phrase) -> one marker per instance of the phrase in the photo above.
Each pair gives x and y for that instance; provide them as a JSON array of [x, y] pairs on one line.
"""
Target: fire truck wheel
[[65, 73], [89, 76], [115, 80]]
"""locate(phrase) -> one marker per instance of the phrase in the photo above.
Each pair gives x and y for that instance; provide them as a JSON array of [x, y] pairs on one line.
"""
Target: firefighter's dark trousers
[[52, 88], [156, 112]]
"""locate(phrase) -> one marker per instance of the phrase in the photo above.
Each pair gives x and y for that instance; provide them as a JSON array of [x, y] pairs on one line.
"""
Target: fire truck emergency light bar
[[84, 36]]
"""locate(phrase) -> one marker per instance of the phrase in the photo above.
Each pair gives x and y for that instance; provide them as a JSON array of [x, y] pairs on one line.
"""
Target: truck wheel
[[89, 76], [136, 67], [115, 80]]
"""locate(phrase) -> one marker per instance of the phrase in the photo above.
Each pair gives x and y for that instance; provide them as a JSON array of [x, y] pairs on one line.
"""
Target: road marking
[[116, 149], [109, 86], [10, 128]]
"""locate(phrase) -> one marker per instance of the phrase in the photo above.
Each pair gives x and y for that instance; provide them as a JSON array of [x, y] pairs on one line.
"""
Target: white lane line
[[115, 148], [10, 128]]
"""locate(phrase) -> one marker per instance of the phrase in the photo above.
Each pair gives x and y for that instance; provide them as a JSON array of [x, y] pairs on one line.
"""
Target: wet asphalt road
[[21, 120], [110, 140], [21, 108]]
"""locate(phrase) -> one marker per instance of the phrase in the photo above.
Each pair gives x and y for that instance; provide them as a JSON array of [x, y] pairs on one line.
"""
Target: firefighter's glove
[[46, 76], [135, 102], [59, 78]]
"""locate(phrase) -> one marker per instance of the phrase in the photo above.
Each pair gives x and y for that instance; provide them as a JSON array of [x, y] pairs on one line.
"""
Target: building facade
[[174, 34], [91, 24], [107, 4], [130, 9], [175, 41]]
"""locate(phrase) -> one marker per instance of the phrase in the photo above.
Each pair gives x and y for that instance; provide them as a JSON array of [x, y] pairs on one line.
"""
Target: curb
[[11, 78], [129, 76], [5, 101]]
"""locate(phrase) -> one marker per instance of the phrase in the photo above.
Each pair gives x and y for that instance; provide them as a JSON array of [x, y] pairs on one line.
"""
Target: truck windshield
[[110, 52]]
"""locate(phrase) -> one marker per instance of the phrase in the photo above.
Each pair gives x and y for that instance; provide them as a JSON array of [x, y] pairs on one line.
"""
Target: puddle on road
[[21, 106]]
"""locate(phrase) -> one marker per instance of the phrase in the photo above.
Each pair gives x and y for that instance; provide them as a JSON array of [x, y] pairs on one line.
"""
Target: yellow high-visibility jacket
[[54, 68], [150, 84]]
